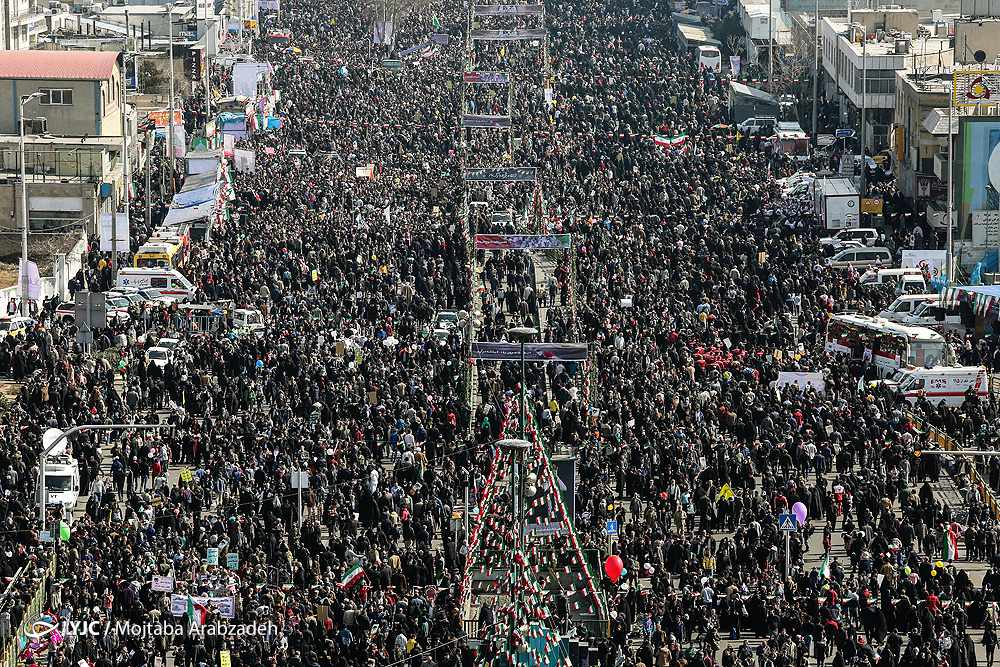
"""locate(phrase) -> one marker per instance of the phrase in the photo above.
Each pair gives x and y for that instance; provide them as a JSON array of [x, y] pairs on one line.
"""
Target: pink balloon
[[800, 512], [614, 566]]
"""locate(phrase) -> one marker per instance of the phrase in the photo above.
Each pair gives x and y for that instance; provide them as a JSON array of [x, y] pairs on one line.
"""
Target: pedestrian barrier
[[967, 465], [31, 612]]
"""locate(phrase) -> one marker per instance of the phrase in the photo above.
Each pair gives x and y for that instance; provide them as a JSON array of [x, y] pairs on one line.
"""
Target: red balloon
[[614, 566]]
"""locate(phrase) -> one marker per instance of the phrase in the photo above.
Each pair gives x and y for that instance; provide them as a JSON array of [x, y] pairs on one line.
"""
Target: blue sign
[[844, 133], [612, 527], [787, 523]]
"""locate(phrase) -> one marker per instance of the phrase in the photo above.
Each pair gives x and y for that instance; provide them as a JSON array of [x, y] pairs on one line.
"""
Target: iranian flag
[[196, 612], [950, 550], [351, 576], [430, 51], [824, 569], [670, 142]]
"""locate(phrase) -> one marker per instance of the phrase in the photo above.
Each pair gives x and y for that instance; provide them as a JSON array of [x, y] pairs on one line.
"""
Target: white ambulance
[[941, 383], [166, 281]]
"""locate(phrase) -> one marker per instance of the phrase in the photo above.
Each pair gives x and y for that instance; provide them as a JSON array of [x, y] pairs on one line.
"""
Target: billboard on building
[[977, 172]]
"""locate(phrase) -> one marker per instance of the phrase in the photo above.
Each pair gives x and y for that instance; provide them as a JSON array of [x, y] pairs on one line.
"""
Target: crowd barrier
[[34, 608], [966, 464]]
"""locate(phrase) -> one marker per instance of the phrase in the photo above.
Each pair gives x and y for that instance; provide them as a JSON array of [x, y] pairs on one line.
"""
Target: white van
[[905, 304], [166, 281], [905, 280], [862, 258], [62, 481], [941, 383], [753, 125], [930, 313]]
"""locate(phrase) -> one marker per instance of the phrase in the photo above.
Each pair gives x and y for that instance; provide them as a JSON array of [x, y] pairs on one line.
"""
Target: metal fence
[[35, 607], [86, 162], [965, 465]]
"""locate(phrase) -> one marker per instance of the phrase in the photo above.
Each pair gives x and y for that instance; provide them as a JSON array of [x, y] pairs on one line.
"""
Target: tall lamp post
[[170, 114], [54, 436], [24, 206], [522, 335]]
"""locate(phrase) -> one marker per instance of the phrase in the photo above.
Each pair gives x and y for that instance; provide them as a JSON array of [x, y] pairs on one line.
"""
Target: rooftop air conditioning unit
[[902, 46], [35, 125]]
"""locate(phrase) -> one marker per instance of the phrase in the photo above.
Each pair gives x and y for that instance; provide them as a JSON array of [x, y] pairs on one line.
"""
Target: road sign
[[787, 523], [844, 133], [90, 308], [612, 527]]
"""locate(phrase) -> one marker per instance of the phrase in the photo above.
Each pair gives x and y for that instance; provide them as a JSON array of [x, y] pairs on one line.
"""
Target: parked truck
[[838, 203]]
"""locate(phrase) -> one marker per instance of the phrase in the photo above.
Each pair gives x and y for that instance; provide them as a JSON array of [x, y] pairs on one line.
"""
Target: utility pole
[[864, 110], [522, 334], [25, 310], [815, 130], [170, 113], [950, 259], [149, 186], [207, 66], [127, 162], [770, 46]]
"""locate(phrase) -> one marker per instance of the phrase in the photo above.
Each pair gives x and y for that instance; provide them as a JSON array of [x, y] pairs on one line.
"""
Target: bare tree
[[388, 12], [735, 44], [793, 62]]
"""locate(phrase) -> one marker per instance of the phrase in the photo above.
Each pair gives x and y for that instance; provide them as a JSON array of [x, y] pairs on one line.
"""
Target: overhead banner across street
[[477, 121], [485, 77], [508, 35], [532, 351], [501, 175], [533, 242], [507, 10]]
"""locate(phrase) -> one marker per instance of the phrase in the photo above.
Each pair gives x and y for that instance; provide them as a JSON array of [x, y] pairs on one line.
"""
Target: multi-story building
[[75, 138], [867, 52], [919, 137]]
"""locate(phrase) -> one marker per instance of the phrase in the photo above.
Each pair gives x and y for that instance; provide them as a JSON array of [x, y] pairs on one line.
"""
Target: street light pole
[[127, 162], [24, 207], [949, 256], [522, 334], [518, 472], [170, 113], [65, 434], [864, 109], [815, 132]]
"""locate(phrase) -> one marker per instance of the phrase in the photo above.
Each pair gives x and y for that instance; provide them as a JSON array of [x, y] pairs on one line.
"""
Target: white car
[[171, 344], [160, 356], [446, 319], [12, 326], [864, 235]]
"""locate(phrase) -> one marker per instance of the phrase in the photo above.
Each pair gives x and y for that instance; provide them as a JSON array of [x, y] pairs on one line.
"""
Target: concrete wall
[[62, 270], [972, 36], [10, 201], [904, 20]]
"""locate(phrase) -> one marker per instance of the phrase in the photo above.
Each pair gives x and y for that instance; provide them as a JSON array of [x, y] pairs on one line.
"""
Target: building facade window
[[57, 96]]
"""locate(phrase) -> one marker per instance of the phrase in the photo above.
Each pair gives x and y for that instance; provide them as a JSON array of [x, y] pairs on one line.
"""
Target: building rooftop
[[81, 65], [920, 44]]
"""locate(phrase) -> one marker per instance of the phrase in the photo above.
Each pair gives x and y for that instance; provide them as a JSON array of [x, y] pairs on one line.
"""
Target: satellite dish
[[980, 56], [49, 437]]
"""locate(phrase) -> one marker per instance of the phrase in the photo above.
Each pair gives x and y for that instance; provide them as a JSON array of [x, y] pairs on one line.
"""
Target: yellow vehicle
[[163, 255]]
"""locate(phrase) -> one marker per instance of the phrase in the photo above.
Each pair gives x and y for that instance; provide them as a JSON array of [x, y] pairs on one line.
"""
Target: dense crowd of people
[[694, 284]]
